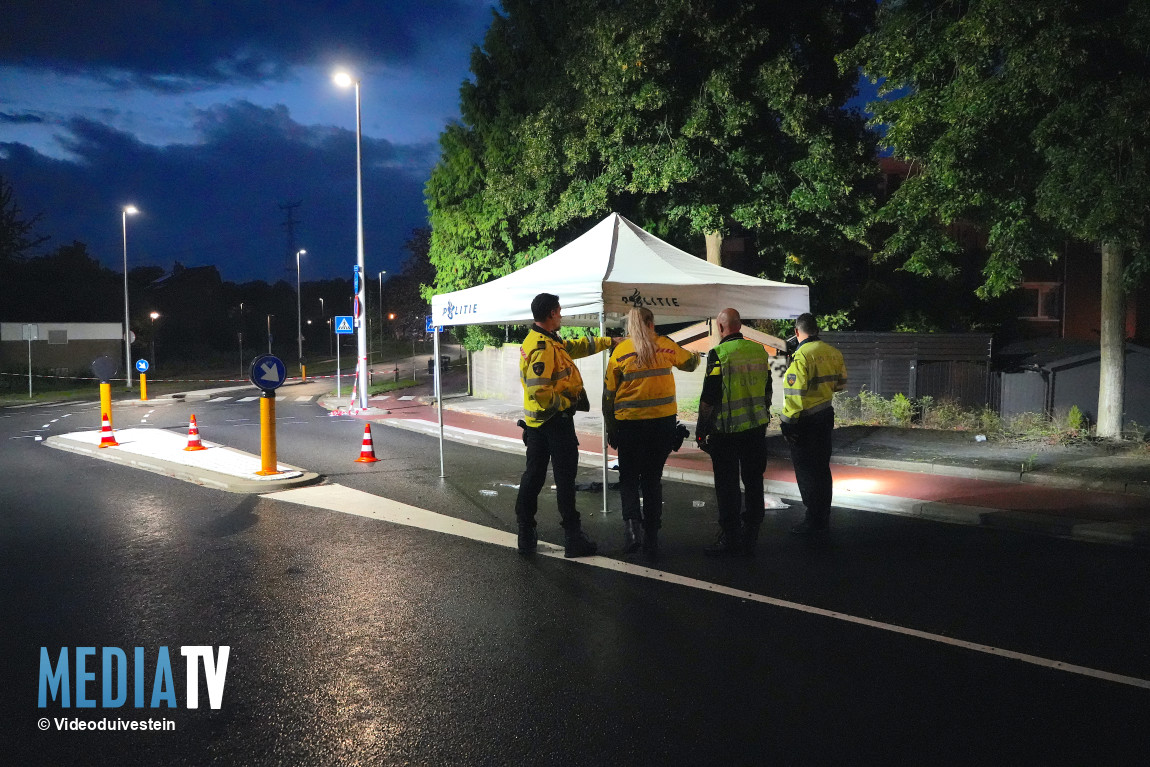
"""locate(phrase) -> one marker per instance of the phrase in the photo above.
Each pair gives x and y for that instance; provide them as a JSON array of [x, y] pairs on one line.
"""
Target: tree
[[1030, 118], [690, 118], [17, 234]]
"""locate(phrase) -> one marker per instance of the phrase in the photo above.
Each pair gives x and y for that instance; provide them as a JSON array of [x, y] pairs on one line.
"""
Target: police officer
[[816, 372], [734, 410], [640, 409], [552, 392]]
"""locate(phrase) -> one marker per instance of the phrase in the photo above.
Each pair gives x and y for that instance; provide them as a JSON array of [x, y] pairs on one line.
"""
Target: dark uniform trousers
[[644, 444], [553, 442], [742, 455], [811, 456]]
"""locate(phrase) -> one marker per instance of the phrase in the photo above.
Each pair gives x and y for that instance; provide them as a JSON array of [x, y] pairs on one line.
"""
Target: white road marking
[[349, 501], [304, 399], [247, 399], [406, 397], [219, 399]]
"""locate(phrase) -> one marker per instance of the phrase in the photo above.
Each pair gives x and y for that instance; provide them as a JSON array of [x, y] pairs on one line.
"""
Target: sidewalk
[[1094, 492]]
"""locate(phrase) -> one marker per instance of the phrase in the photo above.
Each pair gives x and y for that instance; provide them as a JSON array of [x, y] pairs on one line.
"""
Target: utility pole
[[289, 262]]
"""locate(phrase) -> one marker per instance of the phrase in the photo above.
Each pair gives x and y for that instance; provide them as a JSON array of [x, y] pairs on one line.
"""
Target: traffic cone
[[107, 438], [194, 436], [367, 452]]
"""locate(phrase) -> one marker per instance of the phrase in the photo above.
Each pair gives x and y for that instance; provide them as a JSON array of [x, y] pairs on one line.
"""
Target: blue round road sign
[[268, 372], [142, 366]]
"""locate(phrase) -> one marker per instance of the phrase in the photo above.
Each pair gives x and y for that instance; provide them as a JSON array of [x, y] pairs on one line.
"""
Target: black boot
[[750, 538], [651, 542], [632, 535], [576, 544], [528, 538], [726, 545]]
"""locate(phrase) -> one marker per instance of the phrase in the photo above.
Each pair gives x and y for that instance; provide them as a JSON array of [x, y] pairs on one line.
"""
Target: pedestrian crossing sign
[[343, 325]]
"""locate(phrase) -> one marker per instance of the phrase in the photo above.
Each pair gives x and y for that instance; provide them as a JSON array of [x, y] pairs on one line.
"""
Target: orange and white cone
[[367, 452], [194, 436], [107, 438]]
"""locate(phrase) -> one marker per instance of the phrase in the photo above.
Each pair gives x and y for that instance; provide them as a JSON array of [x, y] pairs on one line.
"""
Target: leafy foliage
[[689, 118], [1025, 116]]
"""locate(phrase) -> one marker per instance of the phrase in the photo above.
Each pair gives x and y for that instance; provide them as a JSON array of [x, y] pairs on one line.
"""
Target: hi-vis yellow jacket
[[633, 393], [551, 382], [816, 372]]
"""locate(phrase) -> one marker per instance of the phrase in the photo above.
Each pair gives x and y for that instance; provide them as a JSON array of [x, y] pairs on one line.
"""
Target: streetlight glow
[[342, 79]]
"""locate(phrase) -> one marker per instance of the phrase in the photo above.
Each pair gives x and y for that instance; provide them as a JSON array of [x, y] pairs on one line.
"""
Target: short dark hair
[[542, 306], [806, 323]]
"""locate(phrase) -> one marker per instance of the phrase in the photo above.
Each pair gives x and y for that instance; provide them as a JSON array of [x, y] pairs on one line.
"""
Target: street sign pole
[[268, 373], [342, 325]]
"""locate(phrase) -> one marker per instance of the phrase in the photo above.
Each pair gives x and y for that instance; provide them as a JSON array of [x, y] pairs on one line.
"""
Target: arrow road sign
[[268, 372], [142, 366], [343, 325]]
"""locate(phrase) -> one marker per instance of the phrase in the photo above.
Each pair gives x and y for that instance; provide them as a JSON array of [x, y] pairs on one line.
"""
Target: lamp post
[[240, 338], [344, 80], [381, 313], [154, 315], [128, 210], [269, 334], [298, 311]]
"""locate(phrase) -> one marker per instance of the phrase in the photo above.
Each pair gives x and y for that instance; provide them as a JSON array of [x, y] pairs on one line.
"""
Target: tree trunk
[[1112, 378], [714, 247]]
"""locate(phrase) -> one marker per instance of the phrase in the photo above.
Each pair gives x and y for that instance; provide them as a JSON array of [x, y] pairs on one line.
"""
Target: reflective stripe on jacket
[[816, 372], [634, 393], [745, 368], [551, 382]]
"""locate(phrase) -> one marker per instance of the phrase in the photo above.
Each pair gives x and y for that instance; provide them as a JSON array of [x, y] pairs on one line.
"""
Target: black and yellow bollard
[[268, 462]]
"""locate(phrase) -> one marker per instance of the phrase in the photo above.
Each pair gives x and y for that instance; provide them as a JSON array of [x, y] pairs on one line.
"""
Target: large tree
[[1031, 118], [18, 237], [690, 117]]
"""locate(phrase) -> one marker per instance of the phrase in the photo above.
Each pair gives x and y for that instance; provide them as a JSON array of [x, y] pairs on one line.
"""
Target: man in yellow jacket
[[552, 393], [816, 372]]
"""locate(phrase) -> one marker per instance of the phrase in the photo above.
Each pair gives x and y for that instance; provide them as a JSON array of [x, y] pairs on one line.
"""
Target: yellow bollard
[[106, 401], [303, 372], [143, 387], [268, 434]]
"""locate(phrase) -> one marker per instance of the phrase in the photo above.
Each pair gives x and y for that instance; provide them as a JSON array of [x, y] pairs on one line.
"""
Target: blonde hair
[[641, 330]]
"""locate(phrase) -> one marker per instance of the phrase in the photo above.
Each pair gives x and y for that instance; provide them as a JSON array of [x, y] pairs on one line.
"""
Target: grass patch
[[383, 388]]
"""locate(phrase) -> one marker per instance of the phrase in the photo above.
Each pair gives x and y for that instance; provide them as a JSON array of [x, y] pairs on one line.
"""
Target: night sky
[[209, 116]]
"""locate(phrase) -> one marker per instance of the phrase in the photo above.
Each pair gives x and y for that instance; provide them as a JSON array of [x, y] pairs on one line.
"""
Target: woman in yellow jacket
[[639, 408]]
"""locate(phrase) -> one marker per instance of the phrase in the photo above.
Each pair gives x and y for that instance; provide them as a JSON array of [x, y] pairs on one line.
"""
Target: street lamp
[[345, 80], [240, 338], [128, 210], [154, 315], [298, 311], [270, 333], [381, 313]]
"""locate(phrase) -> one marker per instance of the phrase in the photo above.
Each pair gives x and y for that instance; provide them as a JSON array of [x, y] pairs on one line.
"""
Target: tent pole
[[603, 430], [437, 388]]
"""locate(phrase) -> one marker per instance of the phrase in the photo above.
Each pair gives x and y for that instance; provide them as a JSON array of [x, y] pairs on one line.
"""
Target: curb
[[1120, 533], [198, 476]]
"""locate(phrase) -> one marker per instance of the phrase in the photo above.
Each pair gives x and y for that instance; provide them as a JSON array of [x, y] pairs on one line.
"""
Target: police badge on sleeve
[[538, 368], [791, 378]]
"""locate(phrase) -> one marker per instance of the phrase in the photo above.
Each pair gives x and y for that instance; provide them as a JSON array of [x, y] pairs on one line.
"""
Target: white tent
[[600, 276], [611, 268]]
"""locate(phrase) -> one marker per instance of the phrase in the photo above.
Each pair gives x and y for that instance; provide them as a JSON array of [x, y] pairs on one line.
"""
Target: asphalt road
[[356, 641]]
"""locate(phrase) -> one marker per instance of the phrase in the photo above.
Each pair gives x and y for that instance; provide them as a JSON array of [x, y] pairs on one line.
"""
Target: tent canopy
[[613, 267]]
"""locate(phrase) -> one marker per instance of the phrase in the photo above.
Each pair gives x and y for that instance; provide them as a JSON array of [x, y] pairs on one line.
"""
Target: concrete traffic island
[[162, 452]]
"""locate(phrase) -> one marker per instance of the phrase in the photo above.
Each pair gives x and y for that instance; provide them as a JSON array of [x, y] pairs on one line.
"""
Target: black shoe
[[632, 535], [651, 543], [528, 539], [726, 545], [579, 545], [806, 527]]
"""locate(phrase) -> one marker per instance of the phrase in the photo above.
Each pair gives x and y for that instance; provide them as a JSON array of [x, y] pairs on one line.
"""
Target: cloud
[[25, 118], [217, 201], [180, 47]]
